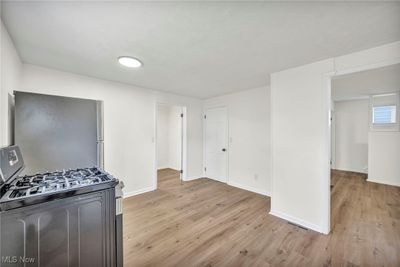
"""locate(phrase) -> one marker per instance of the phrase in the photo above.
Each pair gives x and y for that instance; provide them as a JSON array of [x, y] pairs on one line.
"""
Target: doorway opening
[[170, 143], [365, 140]]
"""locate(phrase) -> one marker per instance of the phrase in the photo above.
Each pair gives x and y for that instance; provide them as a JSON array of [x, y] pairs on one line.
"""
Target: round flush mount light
[[129, 62]]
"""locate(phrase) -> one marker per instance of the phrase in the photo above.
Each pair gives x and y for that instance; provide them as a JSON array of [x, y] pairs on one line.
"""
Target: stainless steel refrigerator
[[56, 133]]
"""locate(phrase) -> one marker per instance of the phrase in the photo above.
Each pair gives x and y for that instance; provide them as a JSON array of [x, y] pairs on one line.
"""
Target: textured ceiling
[[199, 49]]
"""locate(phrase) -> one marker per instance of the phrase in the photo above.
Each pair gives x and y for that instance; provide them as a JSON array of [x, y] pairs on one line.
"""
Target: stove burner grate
[[32, 185]]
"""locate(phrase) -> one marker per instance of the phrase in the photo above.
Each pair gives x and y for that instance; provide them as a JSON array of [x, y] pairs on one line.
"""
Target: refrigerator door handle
[[100, 154], [100, 134], [100, 114]]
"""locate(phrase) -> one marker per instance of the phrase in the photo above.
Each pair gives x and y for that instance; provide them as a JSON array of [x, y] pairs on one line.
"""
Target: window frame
[[387, 99], [391, 111]]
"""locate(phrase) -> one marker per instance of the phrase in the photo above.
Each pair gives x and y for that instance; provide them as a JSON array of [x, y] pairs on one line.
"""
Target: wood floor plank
[[208, 223]]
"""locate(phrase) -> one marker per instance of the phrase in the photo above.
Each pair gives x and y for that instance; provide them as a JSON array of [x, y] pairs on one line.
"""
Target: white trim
[[162, 167], [250, 188], [333, 136], [272, 145], [351, 98], [348, 170], [203, 167], [327, 84], [155, 163], [166, 167], [184, 144], [297, 221], [360, 68], [382, 182], [327, 101], [138, 192], [187, 179]]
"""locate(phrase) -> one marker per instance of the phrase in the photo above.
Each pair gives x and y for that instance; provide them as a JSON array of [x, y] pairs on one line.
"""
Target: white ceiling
[[200, 49], [363, 84]]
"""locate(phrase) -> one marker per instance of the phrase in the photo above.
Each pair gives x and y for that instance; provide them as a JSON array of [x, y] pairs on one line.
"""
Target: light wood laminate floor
[[207, 223]]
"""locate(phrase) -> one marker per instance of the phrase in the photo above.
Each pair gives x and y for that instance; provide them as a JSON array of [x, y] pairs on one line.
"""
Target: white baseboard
[[348, 170], [166, 167], [383, 182], [162, 167], [249, 188], [297, 221], [138, 192], [191, 178]]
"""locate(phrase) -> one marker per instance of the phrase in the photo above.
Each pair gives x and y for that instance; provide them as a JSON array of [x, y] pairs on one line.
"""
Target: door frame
[[333, 136], [226, 137], [183, 175], [327, 87]]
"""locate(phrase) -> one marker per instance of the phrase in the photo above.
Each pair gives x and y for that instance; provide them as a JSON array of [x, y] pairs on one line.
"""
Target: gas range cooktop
[[54, 182], [21, 191]]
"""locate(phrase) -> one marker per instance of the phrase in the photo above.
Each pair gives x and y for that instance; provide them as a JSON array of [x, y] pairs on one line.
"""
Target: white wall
[[384, 146], [352, 149], [129, 122], [10, 73], [300, 152], [362, 84], [169, 132], [249, 138], [300, 100], [351, 135], [384, 158]]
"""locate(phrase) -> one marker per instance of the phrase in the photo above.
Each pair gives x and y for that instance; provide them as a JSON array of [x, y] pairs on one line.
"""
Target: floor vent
[[299, 226]]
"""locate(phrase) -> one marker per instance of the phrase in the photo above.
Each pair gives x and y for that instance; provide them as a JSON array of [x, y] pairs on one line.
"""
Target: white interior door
[[216, 135]]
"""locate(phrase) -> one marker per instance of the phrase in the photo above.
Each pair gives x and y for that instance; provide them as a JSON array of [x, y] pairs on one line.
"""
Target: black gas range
[[58, 218], [33, 189]]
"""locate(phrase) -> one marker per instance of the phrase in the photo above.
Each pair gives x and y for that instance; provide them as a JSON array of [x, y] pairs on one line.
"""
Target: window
[[384, 115]]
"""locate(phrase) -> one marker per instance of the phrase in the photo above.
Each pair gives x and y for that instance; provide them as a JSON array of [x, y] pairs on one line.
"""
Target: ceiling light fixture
[[129, 62]]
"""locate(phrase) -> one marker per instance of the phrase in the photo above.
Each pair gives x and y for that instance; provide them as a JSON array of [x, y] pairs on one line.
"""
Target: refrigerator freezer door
[[55, 132]]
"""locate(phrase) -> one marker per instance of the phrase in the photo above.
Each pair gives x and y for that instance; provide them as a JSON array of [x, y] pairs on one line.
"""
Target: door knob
[[223, 150]]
